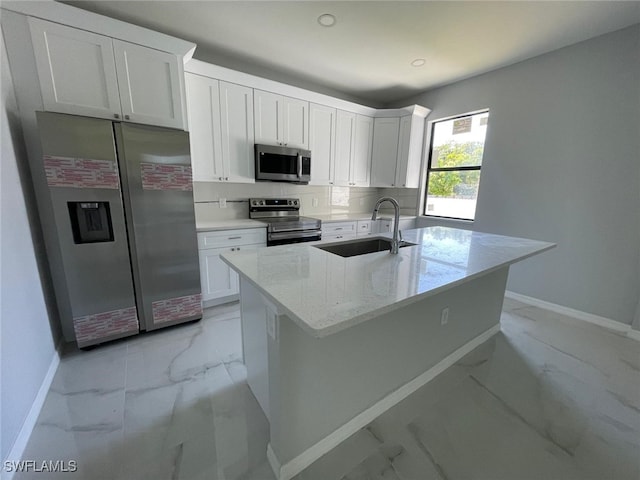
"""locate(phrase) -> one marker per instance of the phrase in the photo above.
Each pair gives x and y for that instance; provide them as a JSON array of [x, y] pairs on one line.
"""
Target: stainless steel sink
[[360, 247]]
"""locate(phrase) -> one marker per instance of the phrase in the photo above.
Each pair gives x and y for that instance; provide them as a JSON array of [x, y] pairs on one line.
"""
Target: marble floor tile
[[549, 397]]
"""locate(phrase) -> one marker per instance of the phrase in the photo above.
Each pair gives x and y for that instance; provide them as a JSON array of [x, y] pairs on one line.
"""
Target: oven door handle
[[299, 165], [298, 234]]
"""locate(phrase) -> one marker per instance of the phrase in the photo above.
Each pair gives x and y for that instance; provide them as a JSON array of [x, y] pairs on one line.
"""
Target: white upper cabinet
[[221, 130], [397, 150], [205, 133], [236, 120], [345, 133], [281, 120], [88, 74], [385, 151], [410, 151], [363, 144], [76, 69], [149, 82], [322, 140], [353, 149]]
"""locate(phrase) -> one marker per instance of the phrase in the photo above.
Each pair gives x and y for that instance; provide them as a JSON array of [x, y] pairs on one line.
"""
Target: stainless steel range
[[284, 224]]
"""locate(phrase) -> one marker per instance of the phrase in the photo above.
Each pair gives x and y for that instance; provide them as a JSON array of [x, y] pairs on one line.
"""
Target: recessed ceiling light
[[327, 20], [418, 62]]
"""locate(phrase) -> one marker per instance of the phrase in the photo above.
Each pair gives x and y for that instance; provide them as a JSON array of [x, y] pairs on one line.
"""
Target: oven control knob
[[295, 202], [261, 202]]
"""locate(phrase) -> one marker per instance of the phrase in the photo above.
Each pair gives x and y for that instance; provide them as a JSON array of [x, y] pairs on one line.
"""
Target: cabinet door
[[149, 82], [296, 123], [385, 151], [236, 113], [203, 107], [268, 117], [76, 70], [216, 278], [345, 128], [322, 141], [410, 151], [361, 164]]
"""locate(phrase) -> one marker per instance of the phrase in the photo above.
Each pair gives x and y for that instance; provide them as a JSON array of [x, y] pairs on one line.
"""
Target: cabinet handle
[[115, 115], [234, 238], [238, 248], [339, 228], [233, 249], [330, 183], [126, 117]]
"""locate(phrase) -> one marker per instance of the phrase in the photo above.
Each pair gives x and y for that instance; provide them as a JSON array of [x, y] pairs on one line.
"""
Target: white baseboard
[[17, 450], [296, 465], [578, 314]]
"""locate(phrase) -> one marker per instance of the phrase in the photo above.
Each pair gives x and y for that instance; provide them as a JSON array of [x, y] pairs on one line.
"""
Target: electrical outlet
[[314, 202], [444, 316], [223, 202]]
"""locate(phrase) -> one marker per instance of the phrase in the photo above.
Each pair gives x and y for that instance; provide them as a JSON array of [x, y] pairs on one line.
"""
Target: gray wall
[[562, 163], [27, 346]]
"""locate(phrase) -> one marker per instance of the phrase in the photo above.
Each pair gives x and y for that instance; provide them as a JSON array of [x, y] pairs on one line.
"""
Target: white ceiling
[[366, 55]]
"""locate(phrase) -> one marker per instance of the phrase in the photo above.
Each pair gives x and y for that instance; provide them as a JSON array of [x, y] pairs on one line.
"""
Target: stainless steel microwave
[[282, 164]]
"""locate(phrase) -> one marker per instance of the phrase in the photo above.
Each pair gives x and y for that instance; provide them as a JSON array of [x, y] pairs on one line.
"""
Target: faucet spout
[[395, 242]]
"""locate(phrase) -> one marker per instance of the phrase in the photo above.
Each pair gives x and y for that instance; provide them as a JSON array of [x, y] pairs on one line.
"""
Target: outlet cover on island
[[314, 202], [223, 203]]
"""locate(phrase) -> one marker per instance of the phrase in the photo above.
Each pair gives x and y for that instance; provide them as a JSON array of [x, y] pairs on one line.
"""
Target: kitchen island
[[330, 342]]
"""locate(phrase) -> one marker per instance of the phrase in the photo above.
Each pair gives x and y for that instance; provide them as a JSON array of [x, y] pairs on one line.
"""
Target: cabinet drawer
[[227, 238], [364, 226], [338, 228]]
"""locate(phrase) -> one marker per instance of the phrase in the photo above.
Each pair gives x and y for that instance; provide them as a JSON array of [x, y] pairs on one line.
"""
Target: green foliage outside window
[[460, 183]]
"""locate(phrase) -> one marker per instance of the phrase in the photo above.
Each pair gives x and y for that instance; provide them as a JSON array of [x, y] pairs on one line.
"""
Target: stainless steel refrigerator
[[121, 241]]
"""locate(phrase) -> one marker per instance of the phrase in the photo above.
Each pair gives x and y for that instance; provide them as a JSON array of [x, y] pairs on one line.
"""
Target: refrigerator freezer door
[[158, 193], [91, 270]]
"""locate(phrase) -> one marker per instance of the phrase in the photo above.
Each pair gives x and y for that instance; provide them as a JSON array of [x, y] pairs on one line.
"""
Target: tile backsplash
[[329, 199]]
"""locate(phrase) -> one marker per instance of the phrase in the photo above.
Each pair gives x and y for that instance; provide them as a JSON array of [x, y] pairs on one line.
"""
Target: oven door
[[282, 164], [298, 236]]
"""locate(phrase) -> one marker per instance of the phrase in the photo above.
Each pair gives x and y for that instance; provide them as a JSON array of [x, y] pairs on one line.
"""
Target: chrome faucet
[[397, 234]]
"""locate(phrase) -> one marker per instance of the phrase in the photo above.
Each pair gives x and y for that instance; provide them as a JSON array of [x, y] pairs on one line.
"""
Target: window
[[455, 159]]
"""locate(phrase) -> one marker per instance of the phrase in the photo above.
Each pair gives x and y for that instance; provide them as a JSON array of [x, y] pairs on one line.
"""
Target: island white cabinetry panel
[[322, 143], [84, 73], [220, 283], [221, 130], [397, 151], [281, 120]]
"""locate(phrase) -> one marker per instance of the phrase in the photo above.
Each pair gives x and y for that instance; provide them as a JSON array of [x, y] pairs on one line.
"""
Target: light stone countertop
[[325, 293], [350, 217], [239, 223]]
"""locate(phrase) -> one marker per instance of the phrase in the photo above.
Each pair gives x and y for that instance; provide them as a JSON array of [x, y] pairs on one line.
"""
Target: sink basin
[[360, 247]]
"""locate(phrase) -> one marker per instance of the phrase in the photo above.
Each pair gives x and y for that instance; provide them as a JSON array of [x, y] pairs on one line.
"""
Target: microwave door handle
[[299, 165]]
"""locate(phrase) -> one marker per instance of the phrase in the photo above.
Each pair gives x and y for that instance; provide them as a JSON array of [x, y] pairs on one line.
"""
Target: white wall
[[562, 163], [27, 346]]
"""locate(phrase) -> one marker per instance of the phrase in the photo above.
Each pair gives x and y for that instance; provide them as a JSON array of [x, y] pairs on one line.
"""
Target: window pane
[[453, 194], [459, 141]]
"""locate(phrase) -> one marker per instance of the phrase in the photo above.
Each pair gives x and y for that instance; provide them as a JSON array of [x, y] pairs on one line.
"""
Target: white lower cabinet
[[337, 231], [219, 282], [216, 278]]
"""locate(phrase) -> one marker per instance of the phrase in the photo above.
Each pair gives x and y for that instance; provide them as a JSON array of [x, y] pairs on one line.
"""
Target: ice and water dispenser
[[90, 222]]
